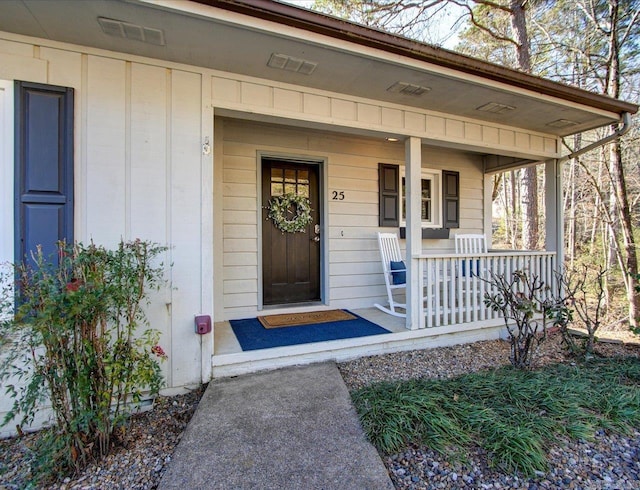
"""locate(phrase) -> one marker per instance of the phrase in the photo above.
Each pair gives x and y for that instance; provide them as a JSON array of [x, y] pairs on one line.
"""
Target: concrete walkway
[[294, 428]]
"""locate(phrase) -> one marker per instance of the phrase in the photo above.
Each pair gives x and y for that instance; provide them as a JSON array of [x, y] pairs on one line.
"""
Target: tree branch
[[477, 24]]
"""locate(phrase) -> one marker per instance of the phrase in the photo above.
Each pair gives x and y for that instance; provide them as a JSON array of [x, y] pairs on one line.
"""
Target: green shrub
[[73, 336]]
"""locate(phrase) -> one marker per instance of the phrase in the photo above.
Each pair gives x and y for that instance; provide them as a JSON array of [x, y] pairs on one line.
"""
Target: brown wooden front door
[[290, 261]]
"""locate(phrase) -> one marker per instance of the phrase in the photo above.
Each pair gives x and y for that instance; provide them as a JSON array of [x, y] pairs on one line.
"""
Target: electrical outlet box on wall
[[203, 324]]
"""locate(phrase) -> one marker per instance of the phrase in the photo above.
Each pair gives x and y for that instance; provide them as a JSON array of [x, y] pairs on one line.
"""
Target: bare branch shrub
[[527, 306], [585, 291], [516, 298]]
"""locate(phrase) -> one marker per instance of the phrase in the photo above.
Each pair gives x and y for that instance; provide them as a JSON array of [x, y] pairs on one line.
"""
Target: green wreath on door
[[280, 208]]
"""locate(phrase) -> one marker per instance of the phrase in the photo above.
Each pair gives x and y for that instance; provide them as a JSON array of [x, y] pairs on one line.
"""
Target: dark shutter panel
[[43, 168], [389, 195], [451, 199]]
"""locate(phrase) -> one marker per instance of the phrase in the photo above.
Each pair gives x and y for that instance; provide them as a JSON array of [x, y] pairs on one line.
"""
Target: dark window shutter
[[43, 168], [389, 195], [451, 199]]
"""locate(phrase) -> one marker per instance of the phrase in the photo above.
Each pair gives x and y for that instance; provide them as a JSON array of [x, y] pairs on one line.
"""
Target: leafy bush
[[73, 338]]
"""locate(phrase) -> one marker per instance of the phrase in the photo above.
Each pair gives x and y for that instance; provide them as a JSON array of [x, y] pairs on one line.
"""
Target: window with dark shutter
[[43, 168], [389, 195], [450, 199]]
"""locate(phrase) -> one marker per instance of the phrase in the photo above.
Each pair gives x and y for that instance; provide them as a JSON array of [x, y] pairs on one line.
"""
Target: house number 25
[[338, 195]]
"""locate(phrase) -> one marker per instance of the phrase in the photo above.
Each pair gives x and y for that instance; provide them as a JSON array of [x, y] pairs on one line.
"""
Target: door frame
[[321, 162]]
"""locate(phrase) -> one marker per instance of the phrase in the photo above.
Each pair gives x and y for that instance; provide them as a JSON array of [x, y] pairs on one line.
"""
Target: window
[[430, 207], [440, 200]]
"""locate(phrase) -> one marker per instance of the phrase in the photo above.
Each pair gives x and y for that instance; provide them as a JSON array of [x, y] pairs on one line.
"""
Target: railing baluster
[[459, 310], [438, 307], [483, 271], [421, 289], [429, 295], [445, 293]]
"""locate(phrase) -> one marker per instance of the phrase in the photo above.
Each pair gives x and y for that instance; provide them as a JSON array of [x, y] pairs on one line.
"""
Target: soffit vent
[[495, 108], [406, 88], [134, 32], [288, 63], [561, 123]]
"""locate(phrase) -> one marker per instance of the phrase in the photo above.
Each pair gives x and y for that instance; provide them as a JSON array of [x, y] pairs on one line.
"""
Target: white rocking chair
[[470, 244], [395, 272]]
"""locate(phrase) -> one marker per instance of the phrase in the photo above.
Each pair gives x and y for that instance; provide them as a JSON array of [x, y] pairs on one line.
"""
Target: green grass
[[515, 415]]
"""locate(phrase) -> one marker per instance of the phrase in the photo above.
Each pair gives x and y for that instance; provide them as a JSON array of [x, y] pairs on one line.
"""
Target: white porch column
[[413, 175], [554, 225], [488, 208]]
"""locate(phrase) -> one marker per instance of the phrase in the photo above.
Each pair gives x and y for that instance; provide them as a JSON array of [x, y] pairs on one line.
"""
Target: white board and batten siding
[[139, 173], [354, 272]]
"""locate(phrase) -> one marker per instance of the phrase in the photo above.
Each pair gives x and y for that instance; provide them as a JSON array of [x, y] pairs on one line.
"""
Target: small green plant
[[75, 337]]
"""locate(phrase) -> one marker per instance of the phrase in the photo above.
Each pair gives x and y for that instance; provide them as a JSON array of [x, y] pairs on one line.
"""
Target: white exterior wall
[[354, 274], [139, 173]]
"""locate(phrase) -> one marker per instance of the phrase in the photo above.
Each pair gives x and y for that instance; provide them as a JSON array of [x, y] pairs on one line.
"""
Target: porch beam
[[494, 164], [554, 225], [413, 176]]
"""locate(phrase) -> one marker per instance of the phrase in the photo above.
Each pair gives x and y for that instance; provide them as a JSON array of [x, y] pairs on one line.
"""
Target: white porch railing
[[455, 285]]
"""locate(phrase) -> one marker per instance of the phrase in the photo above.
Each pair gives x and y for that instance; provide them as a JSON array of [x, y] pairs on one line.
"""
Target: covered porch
[[350, 270]]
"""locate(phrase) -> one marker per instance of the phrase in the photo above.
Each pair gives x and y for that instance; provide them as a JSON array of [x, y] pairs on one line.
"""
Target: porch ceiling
[[211, 37]]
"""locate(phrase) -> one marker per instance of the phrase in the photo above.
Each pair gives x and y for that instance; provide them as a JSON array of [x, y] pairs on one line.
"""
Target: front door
[[290, 260]]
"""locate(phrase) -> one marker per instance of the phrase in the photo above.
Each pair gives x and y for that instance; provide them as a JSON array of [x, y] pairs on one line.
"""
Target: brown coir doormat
[[295, 319]]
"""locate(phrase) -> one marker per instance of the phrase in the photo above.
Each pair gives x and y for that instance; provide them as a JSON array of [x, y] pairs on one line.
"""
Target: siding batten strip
[[207, 230], [127, 152], [168, 205], [80, 218]]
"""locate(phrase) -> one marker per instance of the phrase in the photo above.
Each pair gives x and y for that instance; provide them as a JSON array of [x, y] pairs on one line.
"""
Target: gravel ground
[[608, 462], [139, 460]]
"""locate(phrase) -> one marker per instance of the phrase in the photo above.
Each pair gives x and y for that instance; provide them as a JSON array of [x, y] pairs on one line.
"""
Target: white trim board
[[6, 171]]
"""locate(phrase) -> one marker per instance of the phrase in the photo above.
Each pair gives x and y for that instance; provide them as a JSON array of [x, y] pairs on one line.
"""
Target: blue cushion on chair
[[399, 277], [475, 272]]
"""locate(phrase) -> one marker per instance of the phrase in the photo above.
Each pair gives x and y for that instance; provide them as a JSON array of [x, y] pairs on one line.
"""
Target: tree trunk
[[514, 211], [571, 211], [630, 267], [529, 175], [530, 208], [519, 29], [497, 180], [596, 223]]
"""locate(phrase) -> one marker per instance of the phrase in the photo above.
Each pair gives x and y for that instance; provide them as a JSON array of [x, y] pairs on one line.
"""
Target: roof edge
[[365, 36]]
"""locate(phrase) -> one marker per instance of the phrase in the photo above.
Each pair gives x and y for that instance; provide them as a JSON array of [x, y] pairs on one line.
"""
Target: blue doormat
[[252, 335]]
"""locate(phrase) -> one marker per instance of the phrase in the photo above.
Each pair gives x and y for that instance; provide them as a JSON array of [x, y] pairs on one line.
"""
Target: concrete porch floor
[[225, 341], [229, 359]]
